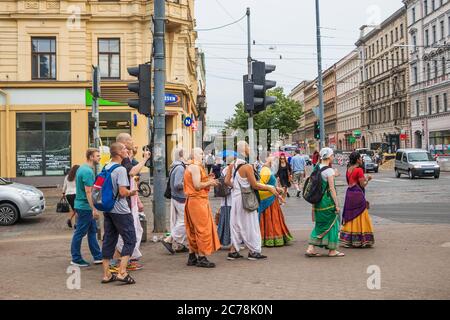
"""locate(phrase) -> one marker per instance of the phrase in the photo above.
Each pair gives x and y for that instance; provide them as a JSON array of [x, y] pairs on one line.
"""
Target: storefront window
[[440, 142], [43, 144], [111, 124]]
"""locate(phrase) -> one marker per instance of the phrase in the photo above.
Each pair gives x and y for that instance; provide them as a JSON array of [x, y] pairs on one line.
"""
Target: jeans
[[86, 224]]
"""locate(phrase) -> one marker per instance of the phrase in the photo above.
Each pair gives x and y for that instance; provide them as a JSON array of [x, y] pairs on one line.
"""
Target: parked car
[[416, 163], [19, 201], [369, 164]]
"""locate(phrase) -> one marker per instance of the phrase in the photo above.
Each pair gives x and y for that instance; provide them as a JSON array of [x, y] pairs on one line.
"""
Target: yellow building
[[47, 49]]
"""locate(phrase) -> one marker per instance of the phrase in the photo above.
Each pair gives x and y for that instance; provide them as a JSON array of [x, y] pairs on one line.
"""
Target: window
[[392, 37], [444, 66], [43, 58], [413, 15], [111, 124], [386, 38], [433, 5], [417, 108], [396, 34], [430, 105], [442, 30], [402, 34], [403, 55], [378, 46], [109, 58], [427, 38], [437, 104], [435, 69], [43, 144], [434, 34], [382, 46], [445, 102], [415, 74], [425, 7], [428, 71]]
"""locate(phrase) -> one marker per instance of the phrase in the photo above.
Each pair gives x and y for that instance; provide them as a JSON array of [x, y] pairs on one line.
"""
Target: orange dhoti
[[201, 230]]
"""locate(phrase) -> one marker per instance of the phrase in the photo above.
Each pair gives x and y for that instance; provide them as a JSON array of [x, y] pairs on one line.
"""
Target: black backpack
[[312, 189], [168, 192]]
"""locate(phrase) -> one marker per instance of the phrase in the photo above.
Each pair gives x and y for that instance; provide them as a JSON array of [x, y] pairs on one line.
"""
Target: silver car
[[19, 201], [416, 163]]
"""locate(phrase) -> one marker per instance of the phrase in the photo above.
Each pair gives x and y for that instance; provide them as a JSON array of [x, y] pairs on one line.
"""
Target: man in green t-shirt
[[86, 212]]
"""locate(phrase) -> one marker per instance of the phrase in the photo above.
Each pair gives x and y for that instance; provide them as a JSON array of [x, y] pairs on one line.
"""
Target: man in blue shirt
[[86, 213], [298, 169]]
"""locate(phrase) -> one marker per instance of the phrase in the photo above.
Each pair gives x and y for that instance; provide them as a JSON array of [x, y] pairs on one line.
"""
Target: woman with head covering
[[326, 213], [357, 230], [274, 232]]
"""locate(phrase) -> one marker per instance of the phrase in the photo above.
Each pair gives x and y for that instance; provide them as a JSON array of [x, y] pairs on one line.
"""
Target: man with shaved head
[[201, 230]]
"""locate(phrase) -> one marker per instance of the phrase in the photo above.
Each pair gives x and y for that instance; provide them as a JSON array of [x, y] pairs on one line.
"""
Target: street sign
[[188, 121]]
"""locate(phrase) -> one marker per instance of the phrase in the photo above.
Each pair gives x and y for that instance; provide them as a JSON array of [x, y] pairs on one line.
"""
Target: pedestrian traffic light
[[142, 88], [317, 130], [255, 99]]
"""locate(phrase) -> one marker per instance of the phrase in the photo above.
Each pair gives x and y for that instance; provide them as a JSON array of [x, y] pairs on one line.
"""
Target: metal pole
[[159, 155], [251, 136], [319, 79]]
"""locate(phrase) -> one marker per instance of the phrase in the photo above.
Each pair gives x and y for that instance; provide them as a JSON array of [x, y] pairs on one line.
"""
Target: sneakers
[[99, 261], [168, 246], [134, 266], [80, 263], [234, 256], [192, 261], [205, 263], [256, 256], [298, 194], [183, 249]]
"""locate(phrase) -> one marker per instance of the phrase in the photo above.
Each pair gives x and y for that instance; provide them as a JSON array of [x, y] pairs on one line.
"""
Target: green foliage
[[282, 115]]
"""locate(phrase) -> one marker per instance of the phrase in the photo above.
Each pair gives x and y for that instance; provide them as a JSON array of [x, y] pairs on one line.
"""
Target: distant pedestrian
[[177, 241], [244, 223], [70, 191], [315, 158], [200, 227], [223, 225], [119, 221], [298, 165], [274, 232], [258, 165], [210, 160], [326, 213], [86, 212], [357, 229], [217, 168], [284, 175]]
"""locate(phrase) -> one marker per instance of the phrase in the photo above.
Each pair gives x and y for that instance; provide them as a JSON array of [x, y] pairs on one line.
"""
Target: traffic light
[[142, 88], [96, 91], [255, 99], [317, 130]]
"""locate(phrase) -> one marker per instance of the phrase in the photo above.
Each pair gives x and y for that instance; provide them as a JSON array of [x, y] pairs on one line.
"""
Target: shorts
[[298, 177]]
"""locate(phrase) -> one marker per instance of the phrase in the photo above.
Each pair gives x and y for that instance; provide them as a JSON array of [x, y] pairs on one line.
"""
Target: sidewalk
[[413, 260]]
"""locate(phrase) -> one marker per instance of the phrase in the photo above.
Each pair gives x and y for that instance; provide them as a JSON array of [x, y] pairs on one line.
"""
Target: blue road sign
[[187, 121]]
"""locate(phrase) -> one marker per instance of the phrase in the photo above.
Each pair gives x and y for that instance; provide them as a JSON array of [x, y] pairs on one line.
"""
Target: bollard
[[143, 220]]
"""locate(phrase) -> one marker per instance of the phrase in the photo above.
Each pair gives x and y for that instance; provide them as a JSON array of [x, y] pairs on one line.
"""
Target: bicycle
[[144, 189]]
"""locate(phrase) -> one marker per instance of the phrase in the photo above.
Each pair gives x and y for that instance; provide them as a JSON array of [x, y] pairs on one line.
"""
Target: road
[[412, 232]]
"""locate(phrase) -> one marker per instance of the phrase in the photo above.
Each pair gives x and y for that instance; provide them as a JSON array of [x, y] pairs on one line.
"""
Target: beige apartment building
[[348, 114], [312, 102], [47, 49], [385, 111], [298, 94]]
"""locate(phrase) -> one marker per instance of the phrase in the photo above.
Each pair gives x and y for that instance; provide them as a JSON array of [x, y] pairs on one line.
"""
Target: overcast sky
[[283, 28]]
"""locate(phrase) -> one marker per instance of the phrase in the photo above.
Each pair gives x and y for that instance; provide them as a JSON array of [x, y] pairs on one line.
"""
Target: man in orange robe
[[201, 230]]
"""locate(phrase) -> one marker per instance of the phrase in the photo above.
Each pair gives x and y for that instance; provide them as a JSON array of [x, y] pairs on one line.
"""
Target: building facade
[[311, 107], [46, 53], [385, 111], [429, 52], [299, 135], [348, 115]]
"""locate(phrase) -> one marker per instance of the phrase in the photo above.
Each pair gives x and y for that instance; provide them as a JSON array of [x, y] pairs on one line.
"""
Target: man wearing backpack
[[119, 220], [87, 214], [177, 240]]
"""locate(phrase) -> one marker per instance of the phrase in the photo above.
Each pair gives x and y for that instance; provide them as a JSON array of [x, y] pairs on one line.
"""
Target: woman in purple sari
[[357, 229]]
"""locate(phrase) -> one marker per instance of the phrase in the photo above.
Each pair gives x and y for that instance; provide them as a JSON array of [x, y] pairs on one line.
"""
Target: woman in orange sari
[[274, 232], [357, 229]]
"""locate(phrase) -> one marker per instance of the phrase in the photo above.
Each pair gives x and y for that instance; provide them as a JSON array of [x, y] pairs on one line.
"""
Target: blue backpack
[[103, 197]]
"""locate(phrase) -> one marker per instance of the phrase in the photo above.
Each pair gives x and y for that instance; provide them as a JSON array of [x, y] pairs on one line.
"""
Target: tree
[[282, 115]]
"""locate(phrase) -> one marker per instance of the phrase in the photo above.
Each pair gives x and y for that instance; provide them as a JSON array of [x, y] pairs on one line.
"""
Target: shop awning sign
[[171, 99]]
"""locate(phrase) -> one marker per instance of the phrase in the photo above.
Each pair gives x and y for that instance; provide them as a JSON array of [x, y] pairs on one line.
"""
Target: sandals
[[112, 279], [338, 254], [312, 254], [127, 280]]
